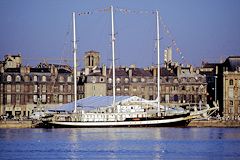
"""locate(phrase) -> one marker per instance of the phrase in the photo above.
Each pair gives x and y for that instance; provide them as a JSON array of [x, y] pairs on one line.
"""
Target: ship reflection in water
[[120, 143]]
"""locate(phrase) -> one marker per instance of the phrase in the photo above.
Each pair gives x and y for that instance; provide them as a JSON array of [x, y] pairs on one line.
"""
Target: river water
[[120, 143]]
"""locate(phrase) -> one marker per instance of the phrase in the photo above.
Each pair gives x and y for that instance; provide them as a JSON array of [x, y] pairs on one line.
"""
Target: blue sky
[[206, 30]]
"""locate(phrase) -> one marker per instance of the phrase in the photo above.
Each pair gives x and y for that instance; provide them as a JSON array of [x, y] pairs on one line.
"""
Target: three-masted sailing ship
[[123, 111]]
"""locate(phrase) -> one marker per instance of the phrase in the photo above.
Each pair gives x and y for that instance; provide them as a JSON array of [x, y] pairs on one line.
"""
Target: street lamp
[[215, 89]]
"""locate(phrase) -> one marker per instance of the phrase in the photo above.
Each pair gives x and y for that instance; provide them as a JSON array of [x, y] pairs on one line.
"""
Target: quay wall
[[16, 124], [194, 123], [213, 123]]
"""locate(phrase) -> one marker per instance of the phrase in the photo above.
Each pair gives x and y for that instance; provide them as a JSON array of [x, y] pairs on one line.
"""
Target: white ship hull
[[181, 121]]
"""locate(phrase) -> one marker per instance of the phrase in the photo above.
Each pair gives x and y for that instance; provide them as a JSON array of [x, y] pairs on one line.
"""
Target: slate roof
[[232, 62], [12, 70], [141, 72]]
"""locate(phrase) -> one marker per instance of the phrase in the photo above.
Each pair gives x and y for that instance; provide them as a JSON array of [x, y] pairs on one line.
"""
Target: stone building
[[178, 83], [224, 85], [132, 81], [25, 88], [182, 85], [231, 88]]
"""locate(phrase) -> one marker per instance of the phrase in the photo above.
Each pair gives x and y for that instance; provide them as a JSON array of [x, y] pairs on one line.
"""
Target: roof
[[141, 72], [41, 70], [90, 103], [12, 70], [232, 62], [166, 72], [119, 72]]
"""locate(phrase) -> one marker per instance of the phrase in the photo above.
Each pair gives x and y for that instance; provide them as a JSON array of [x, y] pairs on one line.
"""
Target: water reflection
[[120, 143]]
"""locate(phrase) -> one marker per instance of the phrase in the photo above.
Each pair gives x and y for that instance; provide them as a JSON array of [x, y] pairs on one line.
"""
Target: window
[[126, 80], [69, 79], [175, 80], [35, 98], [61, 79], [18, 78], [44, 78], [230, 82], [35, 88], [69, 98], [44, 88], [9, 78], [35, 78], [26, 78], [118, 89], [134, 79], [18, 88], [69, 88], [184, 80], [231, 93], [9, 98], [18, 98], [126, 89], [44, 98], [109, 80], [9, 88], [60, 98], [26, 88], [101, 79], [231, 107], [134, 89], [143, 80], [61, 88], [118, 80], [238, 106]]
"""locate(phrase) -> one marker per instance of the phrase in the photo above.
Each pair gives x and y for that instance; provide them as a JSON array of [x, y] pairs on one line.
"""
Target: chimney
[[86, 71], [130, 72], [154, 72], [104, 70]]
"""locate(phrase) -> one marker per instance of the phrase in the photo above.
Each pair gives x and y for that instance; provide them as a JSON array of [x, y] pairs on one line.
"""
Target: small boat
[[122, 111]]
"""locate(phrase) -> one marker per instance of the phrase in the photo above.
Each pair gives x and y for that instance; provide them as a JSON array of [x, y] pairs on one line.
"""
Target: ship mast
[[75, 61], [113, 58], [158, 65]]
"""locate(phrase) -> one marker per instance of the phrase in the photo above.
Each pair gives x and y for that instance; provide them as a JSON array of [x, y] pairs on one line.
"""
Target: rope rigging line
[[129, 11], [94, 11], [173, 41]]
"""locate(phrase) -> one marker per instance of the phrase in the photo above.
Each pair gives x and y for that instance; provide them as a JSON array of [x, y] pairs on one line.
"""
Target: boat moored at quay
[[117, 111]]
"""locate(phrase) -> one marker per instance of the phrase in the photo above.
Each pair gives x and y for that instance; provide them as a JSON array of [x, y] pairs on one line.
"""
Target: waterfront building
[[25, 88], [224, 86], [178, 84], [231, 88]]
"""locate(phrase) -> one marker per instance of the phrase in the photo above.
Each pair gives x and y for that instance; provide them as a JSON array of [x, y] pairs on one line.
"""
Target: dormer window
[[18, 78], [44, 78], [134, 79], [230, 82], [61, 79], [9, 78], [69, 79], [26, 78], [118, 80], [126, 80], [35, 78]]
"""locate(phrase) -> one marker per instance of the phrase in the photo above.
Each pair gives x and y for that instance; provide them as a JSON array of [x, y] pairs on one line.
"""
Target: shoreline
[[195, 123], [214, 123]]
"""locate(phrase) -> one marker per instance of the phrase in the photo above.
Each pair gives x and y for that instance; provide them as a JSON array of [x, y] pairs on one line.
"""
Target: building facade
[[24, 88]]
